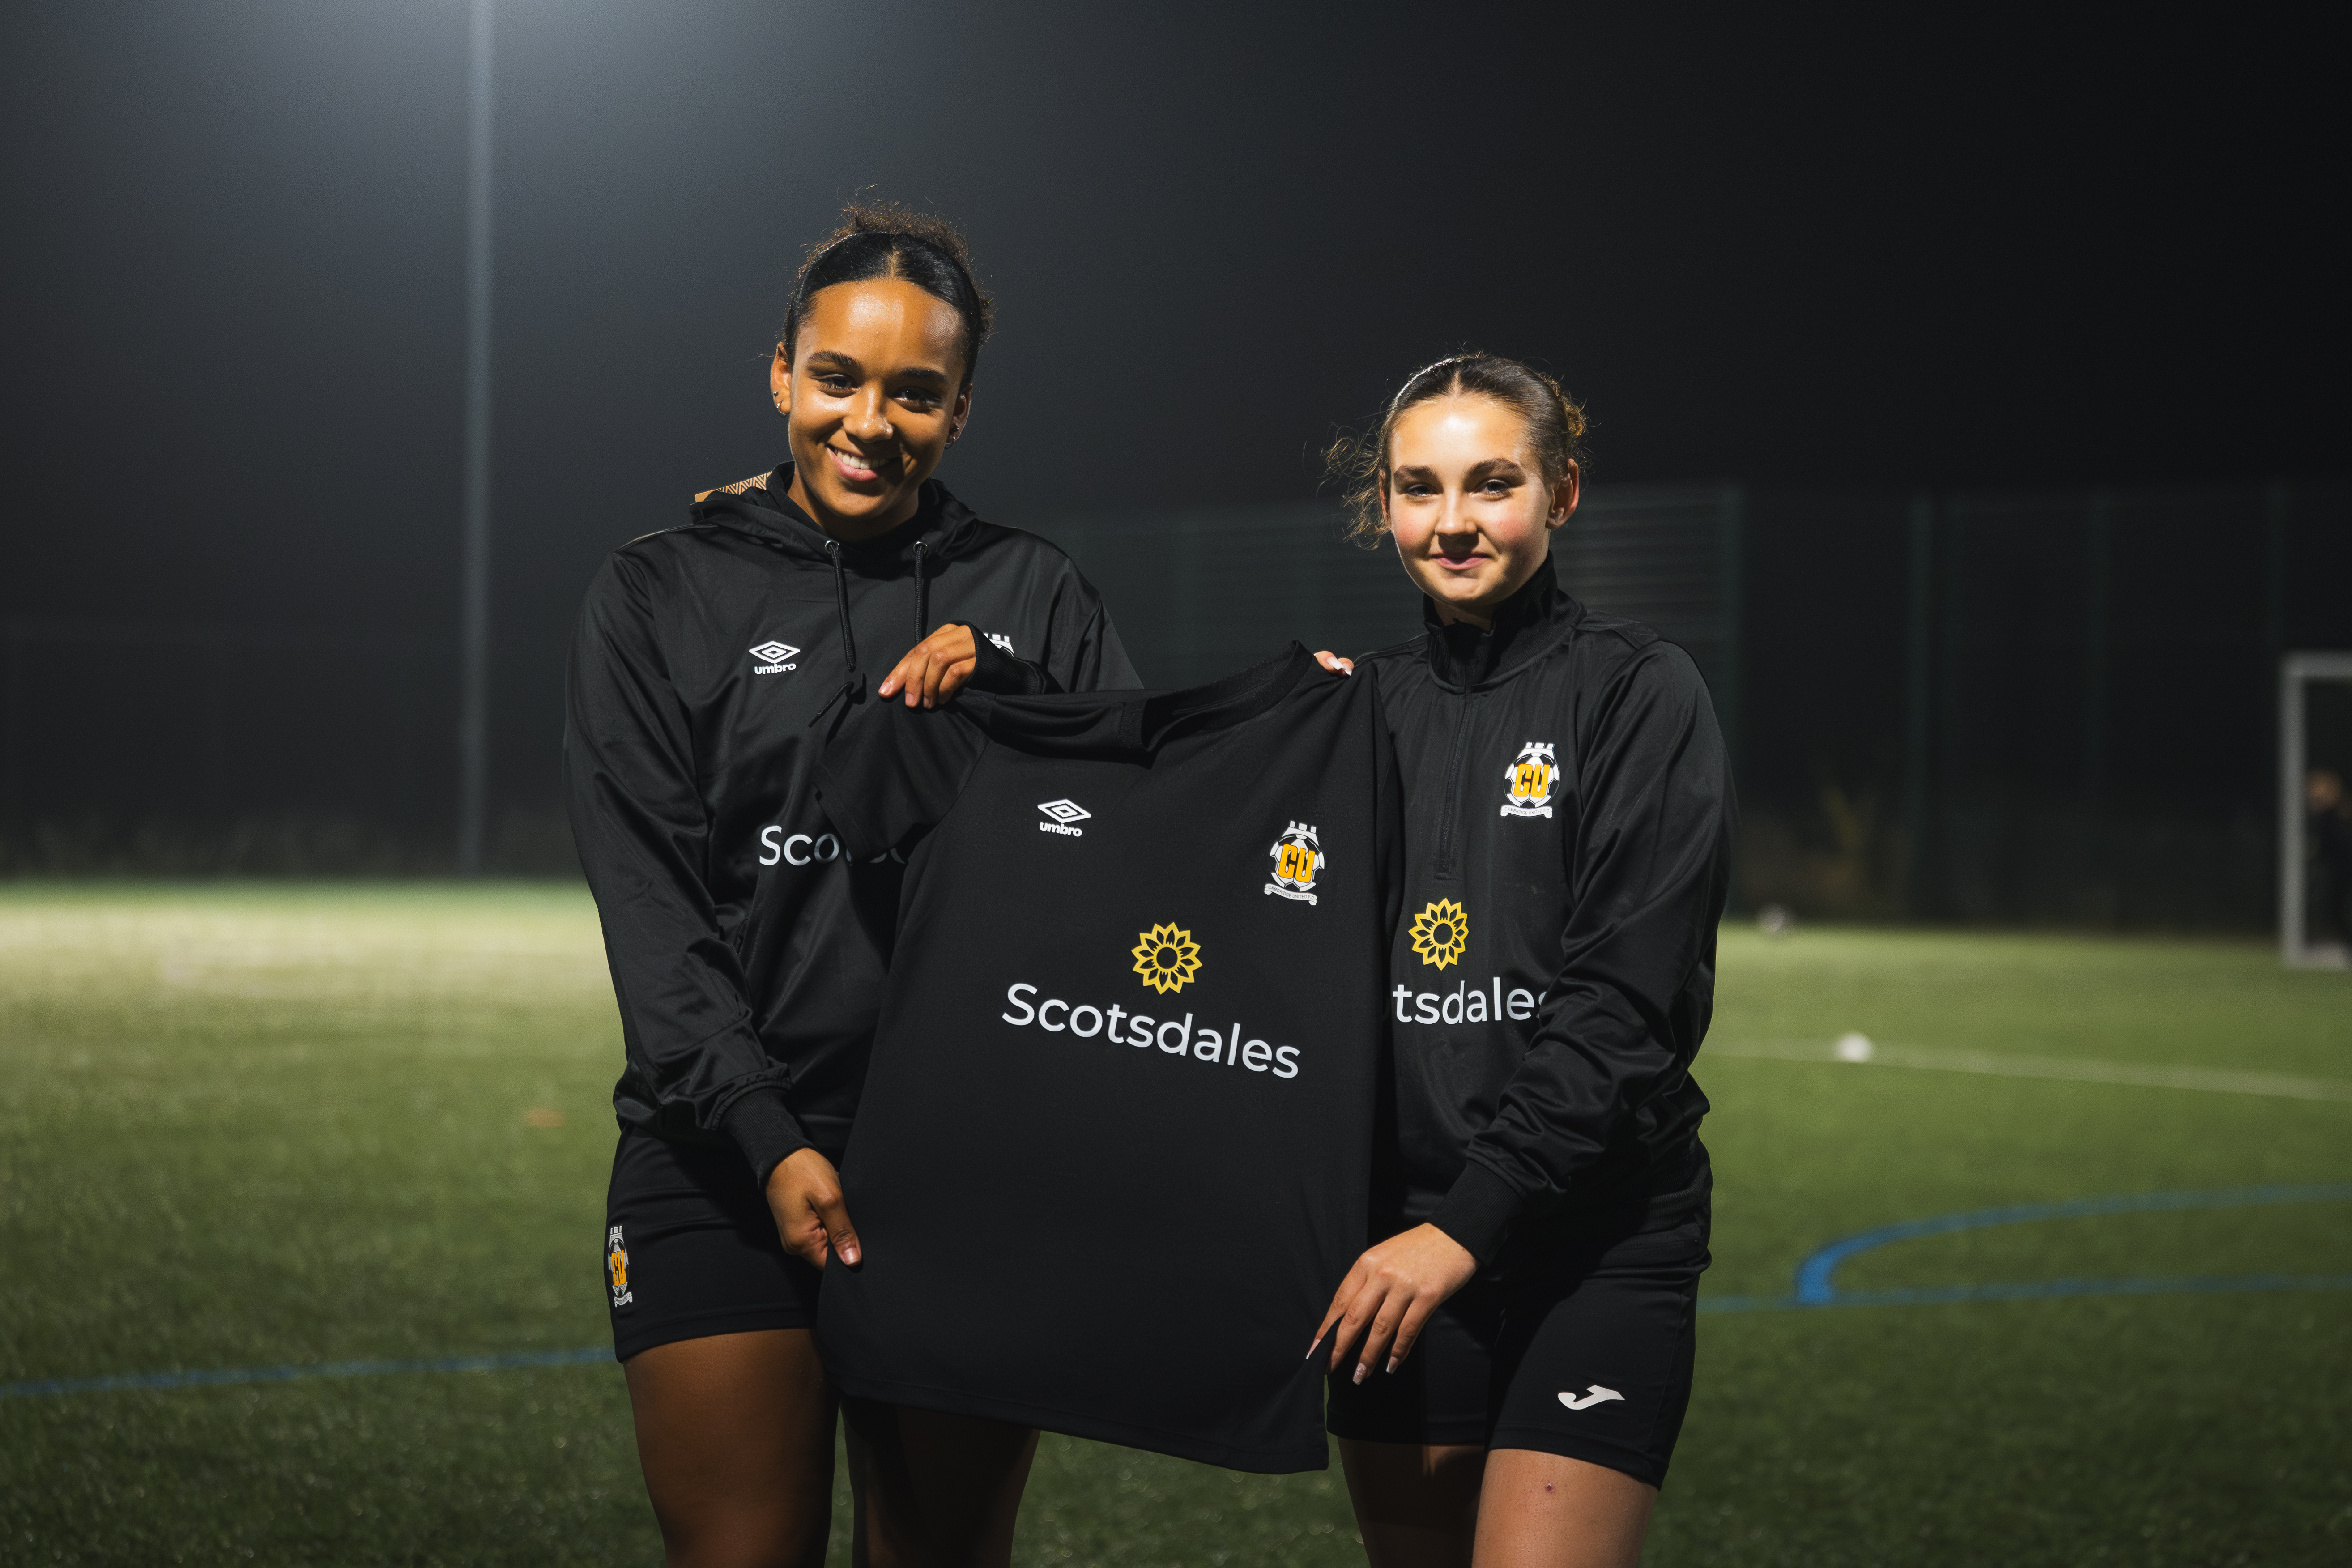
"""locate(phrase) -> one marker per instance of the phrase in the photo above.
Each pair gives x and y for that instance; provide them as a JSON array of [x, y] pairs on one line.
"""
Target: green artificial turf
[[259, 1126]]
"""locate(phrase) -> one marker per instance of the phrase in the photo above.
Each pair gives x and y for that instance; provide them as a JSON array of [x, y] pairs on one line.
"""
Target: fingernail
[[1392, 1363], [1361, 1370], [1313, 1348]]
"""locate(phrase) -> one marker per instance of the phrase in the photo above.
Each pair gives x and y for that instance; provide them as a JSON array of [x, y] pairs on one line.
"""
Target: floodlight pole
[[474, 595], [2296, 671], [2291, 810]]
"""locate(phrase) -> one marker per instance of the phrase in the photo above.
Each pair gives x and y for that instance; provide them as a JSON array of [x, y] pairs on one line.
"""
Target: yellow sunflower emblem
[[1440, 932], [1166, 958]]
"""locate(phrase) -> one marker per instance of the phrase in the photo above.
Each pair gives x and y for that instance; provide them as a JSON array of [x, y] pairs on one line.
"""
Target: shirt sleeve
[[1082, 652], [892, 770], [994, 669], [1650, 866], [642, 832], [1099, 661]]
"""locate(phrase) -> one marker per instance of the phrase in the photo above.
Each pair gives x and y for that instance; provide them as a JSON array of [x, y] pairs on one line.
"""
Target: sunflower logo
[[1440, 932], [1166, 958]]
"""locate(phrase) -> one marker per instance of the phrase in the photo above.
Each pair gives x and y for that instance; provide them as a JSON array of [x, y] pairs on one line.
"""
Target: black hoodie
[[711, 662], [1569, 816]]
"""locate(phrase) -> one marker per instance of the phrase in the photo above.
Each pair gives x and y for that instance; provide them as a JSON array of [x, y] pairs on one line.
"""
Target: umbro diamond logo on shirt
[[1594, 1395], [772, 656], [1064, 812]]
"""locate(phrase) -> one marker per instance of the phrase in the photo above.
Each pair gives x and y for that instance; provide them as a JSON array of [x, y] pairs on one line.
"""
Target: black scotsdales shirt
[[1113, 1153]]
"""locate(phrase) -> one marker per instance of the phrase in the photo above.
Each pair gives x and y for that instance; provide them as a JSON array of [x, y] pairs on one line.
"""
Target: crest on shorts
[[1528, 781], [1297, 858], [617, 1267]]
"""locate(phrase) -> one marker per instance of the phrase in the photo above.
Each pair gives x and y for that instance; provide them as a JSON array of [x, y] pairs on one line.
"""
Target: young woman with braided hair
[[712, 661], [1511, 1359]]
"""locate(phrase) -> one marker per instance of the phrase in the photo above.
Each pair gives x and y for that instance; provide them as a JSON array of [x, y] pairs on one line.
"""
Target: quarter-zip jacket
[[711, 664], [1569, 818]]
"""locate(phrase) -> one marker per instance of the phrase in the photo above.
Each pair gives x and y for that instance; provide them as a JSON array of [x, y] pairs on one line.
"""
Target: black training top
[[747, 953], [1568, 841], [1113, 1156]]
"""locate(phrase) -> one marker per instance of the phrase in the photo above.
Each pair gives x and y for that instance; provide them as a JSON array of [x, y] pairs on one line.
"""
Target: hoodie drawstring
[[922, 597], [853, 686]]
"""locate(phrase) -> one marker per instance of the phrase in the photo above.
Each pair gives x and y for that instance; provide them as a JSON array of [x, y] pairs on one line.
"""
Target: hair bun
[[889, 240]]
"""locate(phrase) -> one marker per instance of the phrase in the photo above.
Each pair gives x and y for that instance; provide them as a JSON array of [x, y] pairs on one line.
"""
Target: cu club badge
[[1297, 860], [1529, 780], [616, 1268]]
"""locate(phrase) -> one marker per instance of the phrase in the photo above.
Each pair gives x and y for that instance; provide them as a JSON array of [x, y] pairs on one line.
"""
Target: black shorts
[[691, 1250], [1592, 1362]]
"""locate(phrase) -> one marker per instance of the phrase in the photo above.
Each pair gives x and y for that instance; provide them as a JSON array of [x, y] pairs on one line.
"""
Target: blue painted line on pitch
[[1816, 1289], [1816, 1282], [2034, 1291], [218, 1376], [1816, 1275]]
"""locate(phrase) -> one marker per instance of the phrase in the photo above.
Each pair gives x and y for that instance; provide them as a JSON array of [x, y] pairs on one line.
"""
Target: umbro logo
[[1594, 1395], [1064, 812], [774, 657]]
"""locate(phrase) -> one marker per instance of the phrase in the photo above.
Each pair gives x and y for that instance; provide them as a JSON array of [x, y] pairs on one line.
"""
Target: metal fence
[[2030, 707], [202, 746], [1200, 593], [1987, 706]]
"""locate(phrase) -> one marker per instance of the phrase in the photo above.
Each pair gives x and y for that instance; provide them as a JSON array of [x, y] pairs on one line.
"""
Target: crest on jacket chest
[[1528, 781], [1297, 856]]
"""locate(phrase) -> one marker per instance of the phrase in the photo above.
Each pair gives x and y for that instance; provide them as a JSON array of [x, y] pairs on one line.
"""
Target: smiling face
[[874, 393], [1468, 504]]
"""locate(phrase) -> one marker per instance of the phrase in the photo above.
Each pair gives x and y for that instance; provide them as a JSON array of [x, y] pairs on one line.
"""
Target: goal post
[[2297, 673]]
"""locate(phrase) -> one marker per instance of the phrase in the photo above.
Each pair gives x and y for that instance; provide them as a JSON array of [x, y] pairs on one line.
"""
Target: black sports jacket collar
[[1465, 657]]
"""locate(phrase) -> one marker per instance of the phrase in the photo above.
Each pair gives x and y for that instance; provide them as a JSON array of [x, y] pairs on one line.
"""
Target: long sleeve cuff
[[994, 669], [1478, 1211], [765, 1129]]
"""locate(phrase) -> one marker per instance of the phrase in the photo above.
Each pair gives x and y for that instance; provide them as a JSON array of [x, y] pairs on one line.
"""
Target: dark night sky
[[1846, 250]]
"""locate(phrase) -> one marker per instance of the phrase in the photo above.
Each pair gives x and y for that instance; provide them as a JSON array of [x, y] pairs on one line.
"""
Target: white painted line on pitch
[[2278, 1085]]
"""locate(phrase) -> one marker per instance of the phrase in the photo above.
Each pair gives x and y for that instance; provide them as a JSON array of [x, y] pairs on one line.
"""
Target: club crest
[[1530, 777], [617, 1267], [1297, 858]]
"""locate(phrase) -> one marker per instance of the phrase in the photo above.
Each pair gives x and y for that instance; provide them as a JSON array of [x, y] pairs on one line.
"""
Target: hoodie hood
[[941, 528], [762, 508]]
